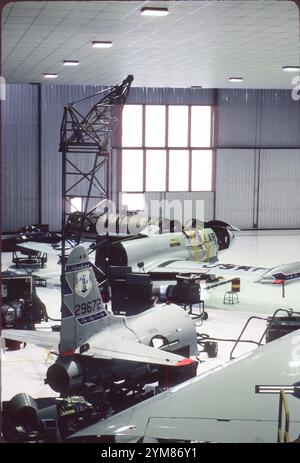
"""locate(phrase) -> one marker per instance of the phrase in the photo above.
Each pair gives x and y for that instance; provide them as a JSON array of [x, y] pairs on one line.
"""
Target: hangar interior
[[211, 122]]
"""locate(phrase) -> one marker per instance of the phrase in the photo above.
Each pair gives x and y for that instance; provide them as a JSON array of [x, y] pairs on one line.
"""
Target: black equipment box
[[187, 290], [21, 307], [131, 293], [14, 287], [280, 326]]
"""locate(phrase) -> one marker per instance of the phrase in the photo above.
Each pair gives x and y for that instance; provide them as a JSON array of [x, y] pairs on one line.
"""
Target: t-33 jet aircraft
[[160, 254], [165, 255]]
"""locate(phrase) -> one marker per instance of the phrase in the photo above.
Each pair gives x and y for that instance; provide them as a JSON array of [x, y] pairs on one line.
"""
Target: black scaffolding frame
[[88, 136]]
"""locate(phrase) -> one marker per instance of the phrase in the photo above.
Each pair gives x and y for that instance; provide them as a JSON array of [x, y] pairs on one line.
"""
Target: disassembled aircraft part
[[206, 408], [155, 252], [220, 223], [186, 291], [98, 347], [39, 234], [133, 293], [65, 375], [23, 408], [25, 419], [21, 307], [224, 232]]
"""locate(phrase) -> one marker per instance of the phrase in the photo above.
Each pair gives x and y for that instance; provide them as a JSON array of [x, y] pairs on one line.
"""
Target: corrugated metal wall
[[142, 95], [187, 204], [238, 118], [235, 186], [279, 189], [19, 157], [258, 119], [198, 205], [280, 120], [52, 111], [20, 199], [248, 174], [248, 181]]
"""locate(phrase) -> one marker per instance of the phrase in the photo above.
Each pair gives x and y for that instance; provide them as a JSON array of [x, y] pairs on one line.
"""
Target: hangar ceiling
[[198, 43]]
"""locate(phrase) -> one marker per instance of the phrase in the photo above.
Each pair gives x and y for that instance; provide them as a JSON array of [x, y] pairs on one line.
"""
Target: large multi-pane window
[[166, 148]]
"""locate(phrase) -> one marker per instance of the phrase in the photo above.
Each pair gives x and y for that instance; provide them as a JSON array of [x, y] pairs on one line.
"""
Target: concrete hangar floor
[[24, 370]]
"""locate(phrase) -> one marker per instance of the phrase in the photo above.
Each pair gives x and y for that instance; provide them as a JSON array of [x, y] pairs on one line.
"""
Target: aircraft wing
[[48, 340], [48, 248], [276, 275], [217, 268], [126, 349], [207, 407], [41, 247]]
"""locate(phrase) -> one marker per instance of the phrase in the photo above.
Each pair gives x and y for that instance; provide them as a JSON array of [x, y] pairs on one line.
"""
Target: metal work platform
[[29, 258]]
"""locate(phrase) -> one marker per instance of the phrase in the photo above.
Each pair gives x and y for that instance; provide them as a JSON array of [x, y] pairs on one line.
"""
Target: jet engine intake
[[224, 232], [65, 375]]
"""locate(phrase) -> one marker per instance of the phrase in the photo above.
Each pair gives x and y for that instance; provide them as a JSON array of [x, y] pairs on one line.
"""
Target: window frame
[[167, 148]]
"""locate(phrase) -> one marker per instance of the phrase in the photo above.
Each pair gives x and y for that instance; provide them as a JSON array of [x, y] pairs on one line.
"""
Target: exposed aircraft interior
[[150, 226]]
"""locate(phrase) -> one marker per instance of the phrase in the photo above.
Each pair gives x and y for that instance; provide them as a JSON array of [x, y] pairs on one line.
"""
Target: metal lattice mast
[[85, 141]]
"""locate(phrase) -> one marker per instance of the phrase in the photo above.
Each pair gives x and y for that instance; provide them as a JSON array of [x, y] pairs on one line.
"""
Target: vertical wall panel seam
[[215, 144], [39, 153], [257, 160]]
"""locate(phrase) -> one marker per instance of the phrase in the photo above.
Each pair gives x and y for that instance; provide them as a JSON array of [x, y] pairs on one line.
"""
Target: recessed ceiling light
[[50, 76], [153, 11], [236, 79], [102, 44], [291, 68], [70, 63]]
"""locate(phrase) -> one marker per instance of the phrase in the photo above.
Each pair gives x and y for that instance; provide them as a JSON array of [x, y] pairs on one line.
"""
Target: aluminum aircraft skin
[[156, 248], [235, 402], [190, 251], [283, 273], [155, 252], [194, 250], [169, 253], [98, 347]]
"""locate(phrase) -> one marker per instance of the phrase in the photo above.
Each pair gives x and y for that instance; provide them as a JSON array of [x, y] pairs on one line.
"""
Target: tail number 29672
[[87, 307]]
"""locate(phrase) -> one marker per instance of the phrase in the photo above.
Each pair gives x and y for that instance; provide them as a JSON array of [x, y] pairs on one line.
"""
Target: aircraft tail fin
[[83, 312]]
